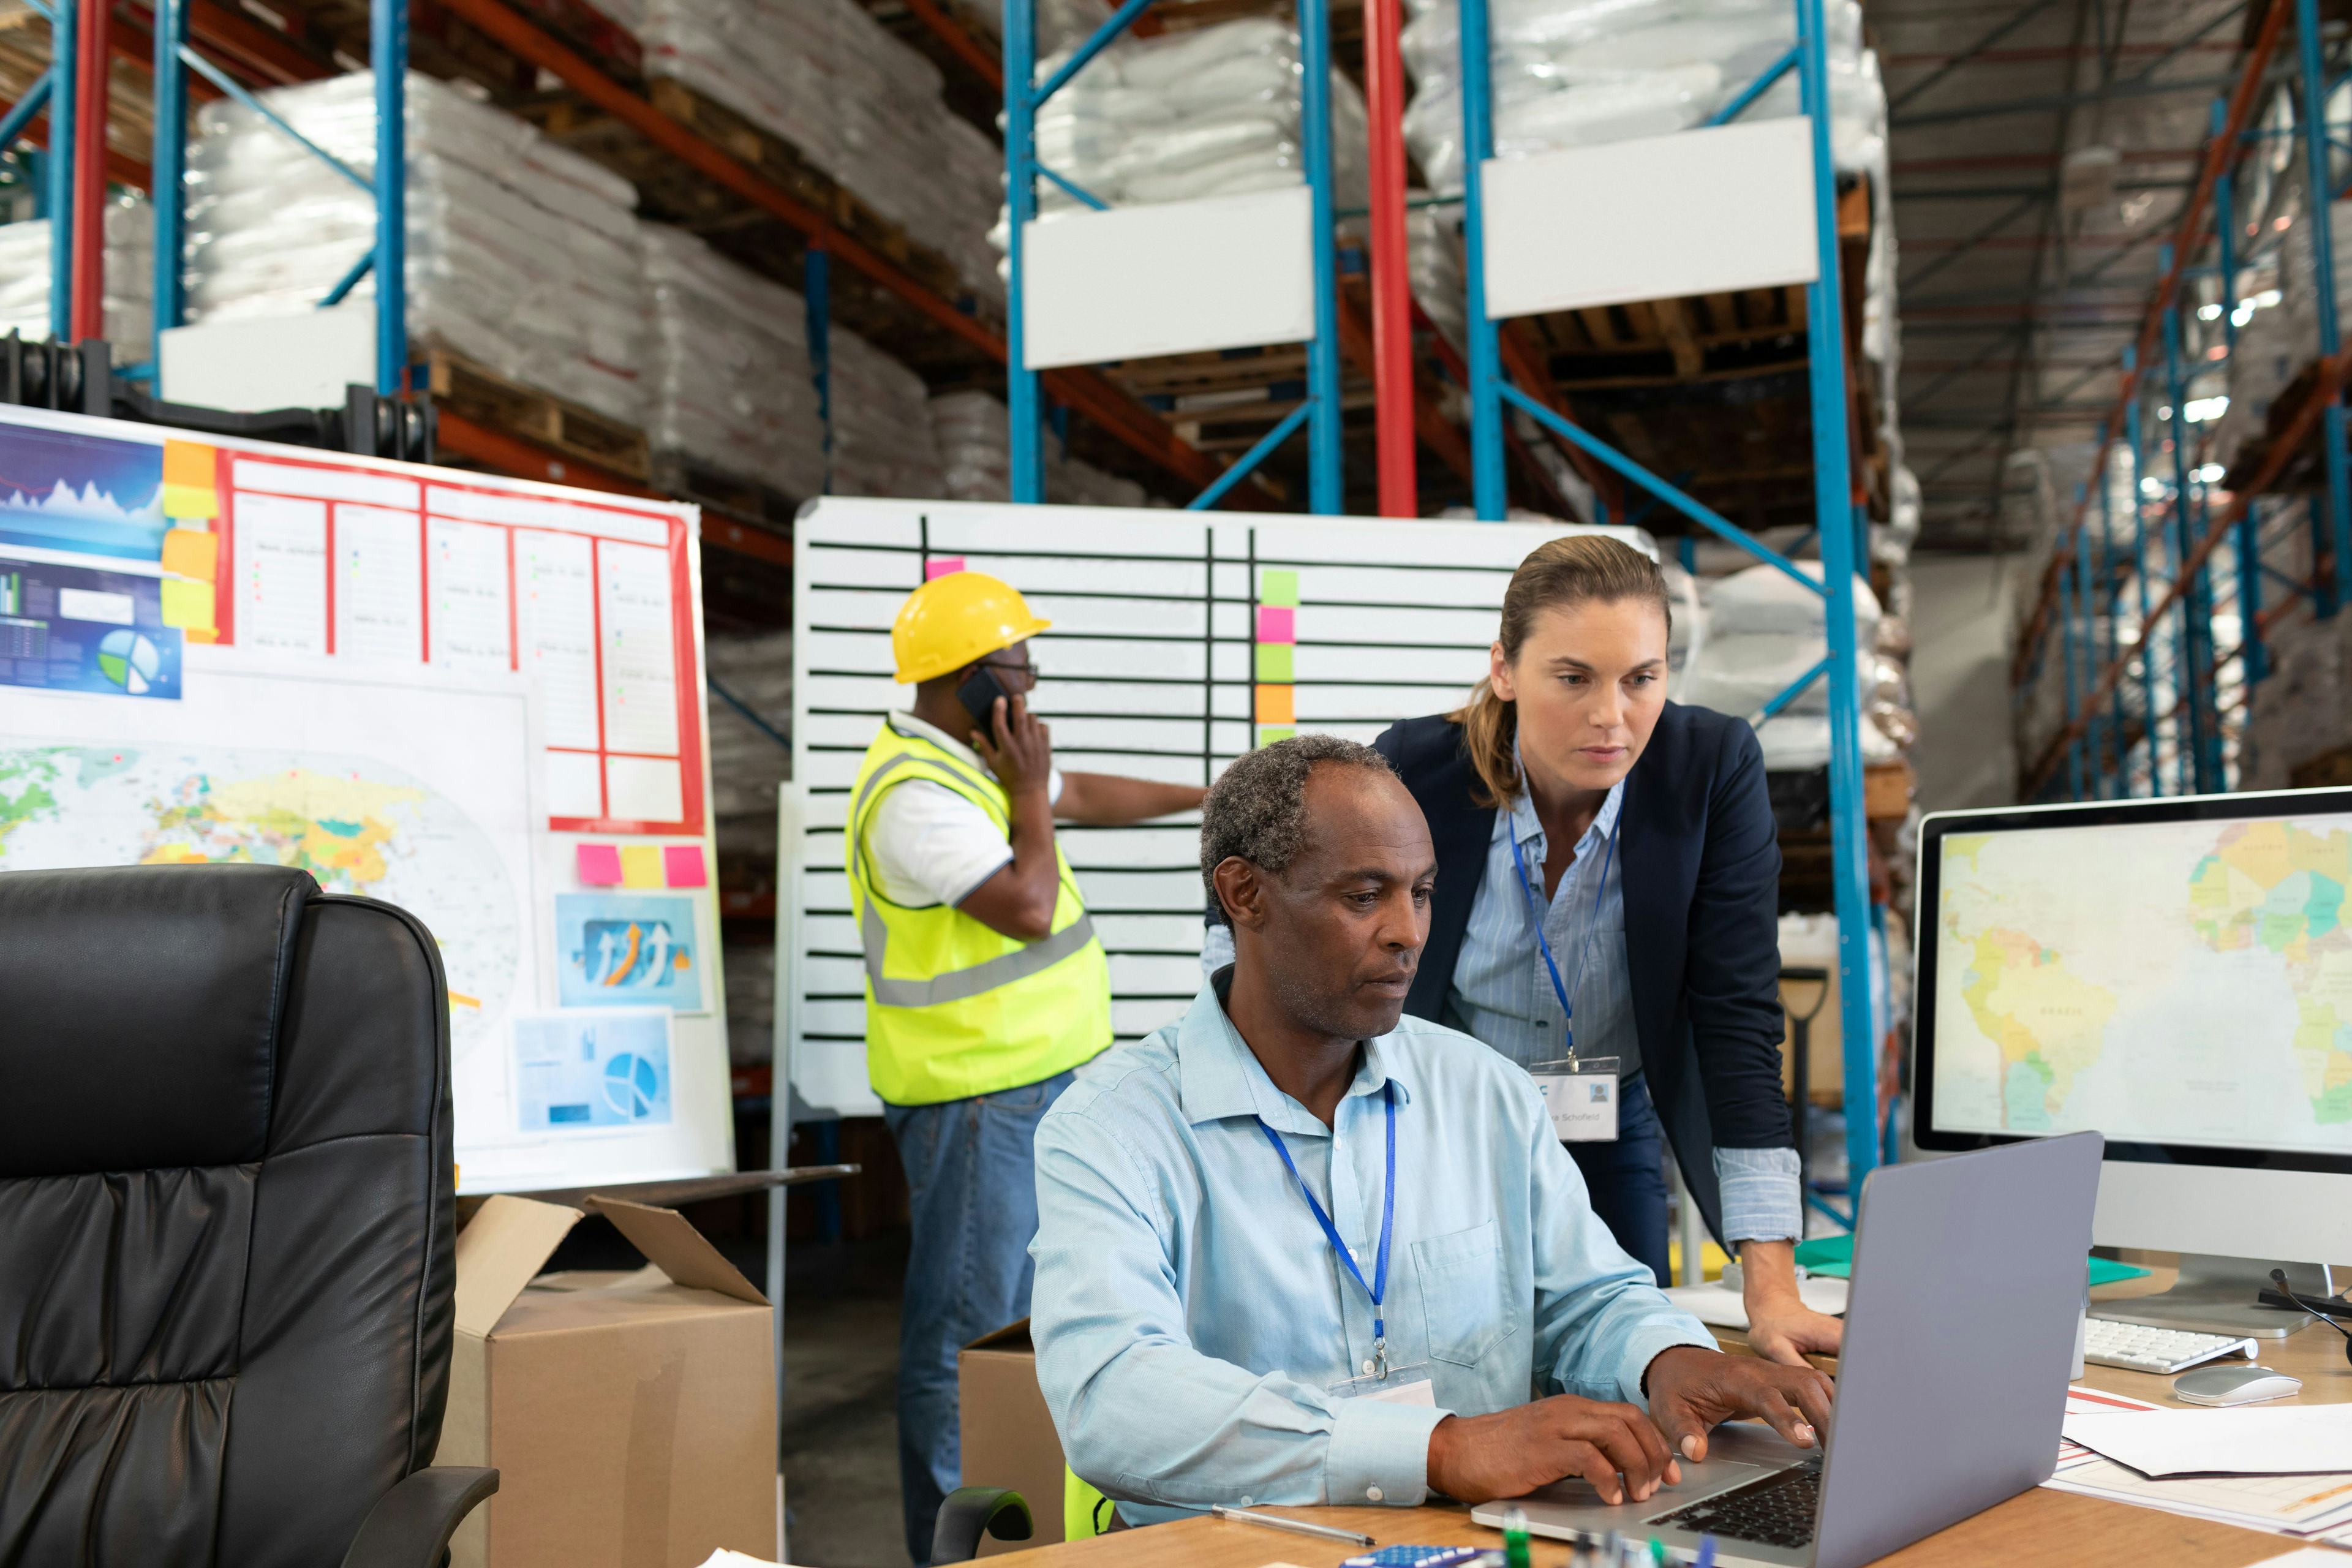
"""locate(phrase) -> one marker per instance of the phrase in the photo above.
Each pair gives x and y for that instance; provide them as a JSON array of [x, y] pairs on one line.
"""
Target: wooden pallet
[[466, 388], [1224, 399], [779, 161], [717, 491]]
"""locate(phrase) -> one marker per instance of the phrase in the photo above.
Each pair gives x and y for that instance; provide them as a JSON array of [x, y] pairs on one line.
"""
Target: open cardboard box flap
[[508, 1241], [671, 1244]]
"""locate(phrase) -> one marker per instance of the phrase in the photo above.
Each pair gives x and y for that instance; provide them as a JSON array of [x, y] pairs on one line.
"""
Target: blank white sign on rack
[[1221, 272], [1586, 226]]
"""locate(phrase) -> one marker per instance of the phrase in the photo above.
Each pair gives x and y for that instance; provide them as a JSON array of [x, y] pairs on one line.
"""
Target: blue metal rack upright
[[1842, 527], [387, 258], [1319, 411], [2181, 661]]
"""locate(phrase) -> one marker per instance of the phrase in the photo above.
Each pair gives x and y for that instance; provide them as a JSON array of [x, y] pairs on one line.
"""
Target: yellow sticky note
[[188, 473], [641, 866], [192, 552], [188, 605], [1275, 705]]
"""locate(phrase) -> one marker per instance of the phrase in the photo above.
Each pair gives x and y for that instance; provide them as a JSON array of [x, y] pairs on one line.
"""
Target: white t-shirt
[[929, 845]]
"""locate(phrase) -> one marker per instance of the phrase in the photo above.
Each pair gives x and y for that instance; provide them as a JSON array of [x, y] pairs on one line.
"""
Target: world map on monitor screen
[[2180, 982]]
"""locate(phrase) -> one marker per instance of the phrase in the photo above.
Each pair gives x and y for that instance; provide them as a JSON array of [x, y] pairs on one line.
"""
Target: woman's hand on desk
[[1474, 1459], [1780, 1327], [1691, 1391]]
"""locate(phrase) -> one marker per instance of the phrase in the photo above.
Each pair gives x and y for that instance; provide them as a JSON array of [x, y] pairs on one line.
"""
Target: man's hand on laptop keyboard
[[1691, 1390], [1474, 1459]]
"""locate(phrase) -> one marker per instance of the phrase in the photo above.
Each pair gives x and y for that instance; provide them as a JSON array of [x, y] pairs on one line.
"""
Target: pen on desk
[[1296, 1526]]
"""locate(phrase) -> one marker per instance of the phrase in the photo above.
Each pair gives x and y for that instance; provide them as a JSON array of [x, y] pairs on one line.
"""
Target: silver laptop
[[1967, 1285]]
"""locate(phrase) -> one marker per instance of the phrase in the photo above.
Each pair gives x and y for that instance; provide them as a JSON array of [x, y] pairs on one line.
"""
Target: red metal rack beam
[[1086, 391], [1395, 393], [93, 73], [2187, 241], [959, 41]]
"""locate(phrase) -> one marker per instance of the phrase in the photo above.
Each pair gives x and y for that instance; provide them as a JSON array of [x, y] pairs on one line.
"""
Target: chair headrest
[[139, 1014]]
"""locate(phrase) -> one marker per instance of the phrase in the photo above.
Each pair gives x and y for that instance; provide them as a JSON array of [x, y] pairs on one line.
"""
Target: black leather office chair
[[226, 1205]]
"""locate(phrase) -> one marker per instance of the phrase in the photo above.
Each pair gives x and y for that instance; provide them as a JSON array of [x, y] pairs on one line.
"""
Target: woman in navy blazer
[[1574, 706]]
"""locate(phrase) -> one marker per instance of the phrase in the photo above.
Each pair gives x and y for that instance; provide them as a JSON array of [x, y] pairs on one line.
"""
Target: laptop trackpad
[[1738, 1452]]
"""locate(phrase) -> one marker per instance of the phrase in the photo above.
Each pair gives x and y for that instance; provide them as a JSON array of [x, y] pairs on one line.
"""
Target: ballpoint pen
[[1296, 1526]]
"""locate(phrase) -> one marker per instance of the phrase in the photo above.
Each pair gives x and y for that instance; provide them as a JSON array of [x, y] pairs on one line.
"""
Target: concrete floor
[[840, 1425]]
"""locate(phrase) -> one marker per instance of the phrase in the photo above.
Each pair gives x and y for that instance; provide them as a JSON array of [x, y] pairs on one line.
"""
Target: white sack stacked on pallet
[[730, 379], [747, 762], [1210, 112], [1764, 631], [1571, 73], [859, 105], [521, 255], [882, 443], [975, 441], [129, 272]]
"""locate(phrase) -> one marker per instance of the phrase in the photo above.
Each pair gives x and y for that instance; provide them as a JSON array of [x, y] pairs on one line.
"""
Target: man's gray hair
[[1258, 810]]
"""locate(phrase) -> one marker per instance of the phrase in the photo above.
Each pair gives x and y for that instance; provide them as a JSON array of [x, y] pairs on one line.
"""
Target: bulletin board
[[1180, 640], [479, 698]]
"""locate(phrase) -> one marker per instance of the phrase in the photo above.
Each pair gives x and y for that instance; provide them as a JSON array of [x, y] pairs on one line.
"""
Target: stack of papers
[[2309, 1507]]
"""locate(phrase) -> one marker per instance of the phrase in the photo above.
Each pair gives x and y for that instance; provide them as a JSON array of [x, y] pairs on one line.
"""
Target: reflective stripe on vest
[[980, 1012]]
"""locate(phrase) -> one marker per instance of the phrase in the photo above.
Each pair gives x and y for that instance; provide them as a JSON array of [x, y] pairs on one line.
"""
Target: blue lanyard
[[1379, 1285], [1536, 906]]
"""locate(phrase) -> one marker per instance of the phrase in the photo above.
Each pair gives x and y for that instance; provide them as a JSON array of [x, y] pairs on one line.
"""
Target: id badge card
[[1402, 1386], [1581, 1095]]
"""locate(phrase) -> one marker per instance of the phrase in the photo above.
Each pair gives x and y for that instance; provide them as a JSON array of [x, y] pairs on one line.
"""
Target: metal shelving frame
[[2183, 747], [1843, 527], [1319, 410]]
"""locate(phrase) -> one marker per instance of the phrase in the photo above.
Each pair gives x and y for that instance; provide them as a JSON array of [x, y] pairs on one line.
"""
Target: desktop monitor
[[2174, 973]]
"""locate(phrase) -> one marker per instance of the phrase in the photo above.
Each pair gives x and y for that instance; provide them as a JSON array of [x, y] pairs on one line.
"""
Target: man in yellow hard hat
[[985, 984]]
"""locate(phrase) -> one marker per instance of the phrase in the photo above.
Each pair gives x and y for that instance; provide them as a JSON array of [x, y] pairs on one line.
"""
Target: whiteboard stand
[[792, 813]]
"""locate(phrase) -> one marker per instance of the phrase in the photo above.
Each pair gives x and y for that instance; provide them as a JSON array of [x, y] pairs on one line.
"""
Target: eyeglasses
[[1029, 669]]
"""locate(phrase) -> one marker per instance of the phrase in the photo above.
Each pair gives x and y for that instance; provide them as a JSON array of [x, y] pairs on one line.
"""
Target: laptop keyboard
[[1775, 1510]]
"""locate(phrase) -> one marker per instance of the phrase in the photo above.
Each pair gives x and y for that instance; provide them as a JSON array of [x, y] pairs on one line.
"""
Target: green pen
[[1515, 1538]]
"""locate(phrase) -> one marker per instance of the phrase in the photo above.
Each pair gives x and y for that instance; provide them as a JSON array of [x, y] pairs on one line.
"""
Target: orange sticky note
[[1275, 705], [192, 552], [189, 468], [641, 866]]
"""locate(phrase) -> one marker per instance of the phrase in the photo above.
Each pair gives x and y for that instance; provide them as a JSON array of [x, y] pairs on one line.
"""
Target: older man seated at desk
[[1297, 1248]]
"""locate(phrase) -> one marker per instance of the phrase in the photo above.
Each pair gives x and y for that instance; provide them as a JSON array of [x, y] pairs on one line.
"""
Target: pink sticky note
[[1277, 623], [600, 865], [941, 565], [682, 865]]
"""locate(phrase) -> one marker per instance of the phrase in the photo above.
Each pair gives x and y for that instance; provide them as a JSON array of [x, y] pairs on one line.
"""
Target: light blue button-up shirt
[[1502, 991], [1191, 1320]]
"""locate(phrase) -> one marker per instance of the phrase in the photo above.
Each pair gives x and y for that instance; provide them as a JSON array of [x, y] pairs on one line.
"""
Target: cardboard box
[[631, 1417], [1008, 1436]]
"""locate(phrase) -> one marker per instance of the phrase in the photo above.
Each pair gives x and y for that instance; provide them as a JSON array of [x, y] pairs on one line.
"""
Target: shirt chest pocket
[[1462, 1293]]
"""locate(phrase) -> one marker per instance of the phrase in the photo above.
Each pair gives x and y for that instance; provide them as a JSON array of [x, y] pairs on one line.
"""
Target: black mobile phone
[[978, 697]]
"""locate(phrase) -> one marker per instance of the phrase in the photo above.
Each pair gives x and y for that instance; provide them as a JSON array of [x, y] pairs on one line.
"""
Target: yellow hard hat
[[955, 618]]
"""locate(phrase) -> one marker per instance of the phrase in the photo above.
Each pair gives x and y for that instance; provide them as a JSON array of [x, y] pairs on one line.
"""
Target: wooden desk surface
[[2037, 1527]]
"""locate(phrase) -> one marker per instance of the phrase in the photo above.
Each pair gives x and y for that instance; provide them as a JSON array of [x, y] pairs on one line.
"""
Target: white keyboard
[[2136, 1347]]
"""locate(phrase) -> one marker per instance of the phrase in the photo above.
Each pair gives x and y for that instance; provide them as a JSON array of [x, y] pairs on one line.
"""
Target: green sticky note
[[1274, 663], [1267, 734], [1277, 586]]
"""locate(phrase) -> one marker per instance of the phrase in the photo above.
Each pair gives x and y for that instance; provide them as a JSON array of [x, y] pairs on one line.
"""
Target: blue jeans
[[1627, 1179], [971, 1179]]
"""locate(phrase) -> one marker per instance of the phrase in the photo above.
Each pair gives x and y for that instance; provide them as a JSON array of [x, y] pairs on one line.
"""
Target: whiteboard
[[1151, 670]]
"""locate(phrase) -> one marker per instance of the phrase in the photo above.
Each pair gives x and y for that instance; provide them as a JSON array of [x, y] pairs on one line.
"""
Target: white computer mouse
[[2235, 1385]]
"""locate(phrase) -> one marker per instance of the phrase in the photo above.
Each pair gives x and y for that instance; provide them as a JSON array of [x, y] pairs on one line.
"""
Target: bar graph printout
[[1179, 642]]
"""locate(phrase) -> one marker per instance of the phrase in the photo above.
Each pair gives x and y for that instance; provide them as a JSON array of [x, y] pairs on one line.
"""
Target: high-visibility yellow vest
[[954, 1008]]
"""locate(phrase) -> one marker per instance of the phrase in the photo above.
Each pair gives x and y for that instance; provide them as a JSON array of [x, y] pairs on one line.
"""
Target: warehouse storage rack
[[259, 53], [2147, 714], [1841, 522]]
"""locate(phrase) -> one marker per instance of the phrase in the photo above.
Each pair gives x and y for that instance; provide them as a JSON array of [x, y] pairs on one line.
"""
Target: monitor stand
[[2216, 1295]]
